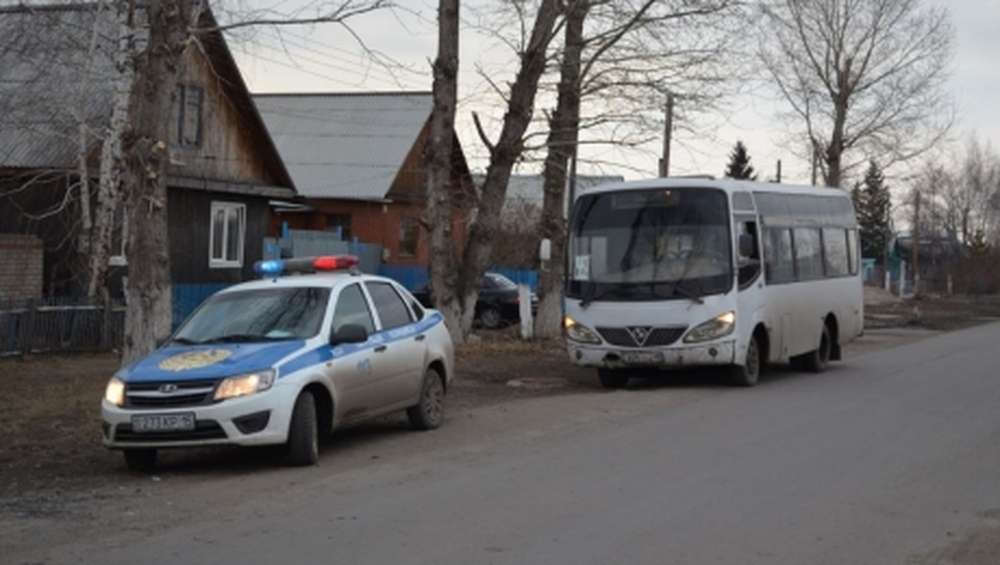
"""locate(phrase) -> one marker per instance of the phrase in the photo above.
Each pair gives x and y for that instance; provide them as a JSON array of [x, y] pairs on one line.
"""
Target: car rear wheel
[[612, 379], [140, 460], [303, 432], [429, 412], [490, 318]]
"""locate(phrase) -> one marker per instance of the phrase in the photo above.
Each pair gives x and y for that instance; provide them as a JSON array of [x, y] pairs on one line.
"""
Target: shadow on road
[[711, 377], [229, 460]]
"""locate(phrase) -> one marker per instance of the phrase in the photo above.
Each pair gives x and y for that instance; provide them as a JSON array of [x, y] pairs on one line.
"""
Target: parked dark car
[[498, 303]]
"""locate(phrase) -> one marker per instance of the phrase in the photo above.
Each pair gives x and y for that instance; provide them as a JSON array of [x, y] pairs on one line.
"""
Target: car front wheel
[[303, 432], [490, 318]]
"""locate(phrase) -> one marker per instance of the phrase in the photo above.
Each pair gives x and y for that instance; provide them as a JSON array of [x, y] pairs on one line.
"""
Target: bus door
[[749, 269]]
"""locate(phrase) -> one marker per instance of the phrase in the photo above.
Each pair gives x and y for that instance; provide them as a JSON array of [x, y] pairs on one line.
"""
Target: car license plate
[[643, 357], [146, 423]]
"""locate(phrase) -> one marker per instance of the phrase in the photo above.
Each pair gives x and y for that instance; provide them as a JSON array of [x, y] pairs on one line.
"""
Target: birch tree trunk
[[439, 160], [147, 155], [564, 132], [112, 165]]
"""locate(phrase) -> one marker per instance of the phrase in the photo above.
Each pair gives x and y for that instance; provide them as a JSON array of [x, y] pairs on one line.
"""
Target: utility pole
[[667, 131], [915, 259], [777, 179]]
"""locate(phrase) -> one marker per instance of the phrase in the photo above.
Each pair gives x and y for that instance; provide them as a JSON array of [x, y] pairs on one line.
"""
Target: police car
[[283, 360]]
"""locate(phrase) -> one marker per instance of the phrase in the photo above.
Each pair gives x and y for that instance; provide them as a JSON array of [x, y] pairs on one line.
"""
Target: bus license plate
[[182, 422], [643, 357]]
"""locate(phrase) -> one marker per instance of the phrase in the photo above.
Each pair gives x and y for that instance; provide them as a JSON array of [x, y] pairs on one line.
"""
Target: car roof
[[323, 280]]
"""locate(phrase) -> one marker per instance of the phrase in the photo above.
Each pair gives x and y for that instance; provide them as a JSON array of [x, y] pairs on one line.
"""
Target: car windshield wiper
[[244, 338], [185, 341]]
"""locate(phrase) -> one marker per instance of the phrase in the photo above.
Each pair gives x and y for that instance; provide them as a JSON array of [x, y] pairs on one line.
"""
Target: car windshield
[[499, 282], [269, 314], [650, 244]]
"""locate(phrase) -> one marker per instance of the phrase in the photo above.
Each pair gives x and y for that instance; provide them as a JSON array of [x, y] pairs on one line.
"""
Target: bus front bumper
[[608, 357]]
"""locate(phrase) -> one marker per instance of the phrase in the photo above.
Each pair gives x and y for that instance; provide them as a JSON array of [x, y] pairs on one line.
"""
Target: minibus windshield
[[650, 244]]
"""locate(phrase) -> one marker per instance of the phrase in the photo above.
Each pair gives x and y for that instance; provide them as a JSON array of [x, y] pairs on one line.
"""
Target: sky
[[326, 58]]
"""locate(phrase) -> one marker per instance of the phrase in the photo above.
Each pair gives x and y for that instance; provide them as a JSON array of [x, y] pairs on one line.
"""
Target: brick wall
[[20, 266]]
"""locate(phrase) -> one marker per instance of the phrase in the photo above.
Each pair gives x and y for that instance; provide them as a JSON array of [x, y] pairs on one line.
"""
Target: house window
[[341, 223], [190, 100], [227, 233], [119, 238], [409, 236]]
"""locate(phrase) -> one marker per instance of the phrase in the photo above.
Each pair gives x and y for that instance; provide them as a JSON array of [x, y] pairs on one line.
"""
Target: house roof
[[345, 145], [48, 81], [530, 188]]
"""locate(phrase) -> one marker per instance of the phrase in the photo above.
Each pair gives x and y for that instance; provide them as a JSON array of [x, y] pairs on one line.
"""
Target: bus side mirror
[[746, 245], [349, 333]]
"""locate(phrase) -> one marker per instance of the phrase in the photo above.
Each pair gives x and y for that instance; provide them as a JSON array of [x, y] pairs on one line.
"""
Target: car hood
[[196, 362]]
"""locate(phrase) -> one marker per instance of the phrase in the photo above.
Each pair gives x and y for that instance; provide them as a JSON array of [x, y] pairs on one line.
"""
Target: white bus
[[683, 272]]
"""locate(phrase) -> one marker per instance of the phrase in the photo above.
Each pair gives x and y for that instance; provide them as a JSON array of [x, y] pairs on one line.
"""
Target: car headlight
[[719, 326], [115, 391], [242, 385], [579, 332]]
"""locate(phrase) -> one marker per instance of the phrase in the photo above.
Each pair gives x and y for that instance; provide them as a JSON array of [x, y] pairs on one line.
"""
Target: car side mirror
[[349, 333], [746, 245]]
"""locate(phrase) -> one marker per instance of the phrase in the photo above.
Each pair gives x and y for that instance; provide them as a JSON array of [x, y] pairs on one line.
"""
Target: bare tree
[[630, 58], [860, 76], [439, 156], [455, 277]]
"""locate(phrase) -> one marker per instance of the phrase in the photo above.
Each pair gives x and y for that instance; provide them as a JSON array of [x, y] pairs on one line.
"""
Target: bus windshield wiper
[[595, 295], [678, 288]]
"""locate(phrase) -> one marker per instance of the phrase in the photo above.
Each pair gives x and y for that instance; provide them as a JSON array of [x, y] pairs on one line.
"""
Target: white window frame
[[228, 207]]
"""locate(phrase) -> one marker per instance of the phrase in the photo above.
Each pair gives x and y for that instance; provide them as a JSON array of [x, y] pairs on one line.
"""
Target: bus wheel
[[748, 374], [612, 379], [817, 359]]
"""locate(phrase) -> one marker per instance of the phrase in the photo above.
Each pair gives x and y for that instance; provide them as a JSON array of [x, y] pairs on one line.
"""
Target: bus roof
[[728, 185]]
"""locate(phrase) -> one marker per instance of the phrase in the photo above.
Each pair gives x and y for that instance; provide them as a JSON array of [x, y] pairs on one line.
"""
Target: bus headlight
[[719, 326], [115, 392], [579, 332], [243, 385]]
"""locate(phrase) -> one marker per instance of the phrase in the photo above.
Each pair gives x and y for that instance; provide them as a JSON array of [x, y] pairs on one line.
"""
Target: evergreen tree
[[739, 164], [873, 205]]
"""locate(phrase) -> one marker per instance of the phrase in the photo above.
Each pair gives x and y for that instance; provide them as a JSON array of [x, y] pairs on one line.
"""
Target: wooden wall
[[230, 150], [190, 224]]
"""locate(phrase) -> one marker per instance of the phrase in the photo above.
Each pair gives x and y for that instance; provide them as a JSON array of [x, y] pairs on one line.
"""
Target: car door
[[400, 349], [353, 367]]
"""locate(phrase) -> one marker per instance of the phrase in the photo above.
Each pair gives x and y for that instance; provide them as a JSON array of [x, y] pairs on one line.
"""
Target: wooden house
[[358, 161], [225, 168]]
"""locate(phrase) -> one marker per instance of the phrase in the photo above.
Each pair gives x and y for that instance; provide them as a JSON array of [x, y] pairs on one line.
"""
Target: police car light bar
[[275, 267]]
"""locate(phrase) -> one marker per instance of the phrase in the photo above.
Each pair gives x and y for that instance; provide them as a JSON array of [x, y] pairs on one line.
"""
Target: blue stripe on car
[[325, 353]]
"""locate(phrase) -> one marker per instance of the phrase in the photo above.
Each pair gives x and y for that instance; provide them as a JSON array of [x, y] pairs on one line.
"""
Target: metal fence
[[55, 325]]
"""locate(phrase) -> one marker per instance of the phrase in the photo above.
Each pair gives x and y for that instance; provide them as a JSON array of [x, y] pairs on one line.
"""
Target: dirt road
[[890, 458]]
